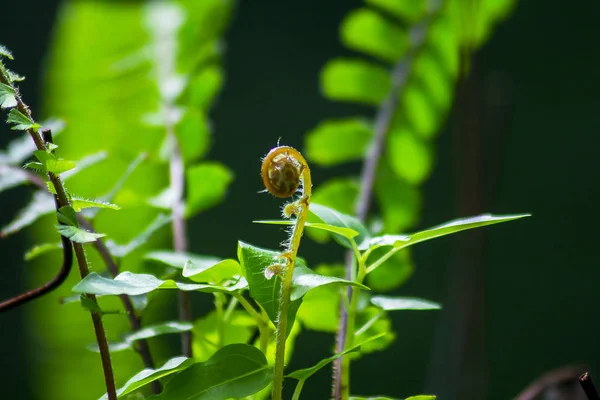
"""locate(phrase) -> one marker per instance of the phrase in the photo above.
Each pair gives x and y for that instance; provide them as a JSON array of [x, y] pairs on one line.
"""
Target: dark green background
[[536, 293]]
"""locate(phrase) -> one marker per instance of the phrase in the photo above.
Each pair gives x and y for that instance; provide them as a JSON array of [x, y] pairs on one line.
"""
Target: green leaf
[[86, 162], [40, 249], [79, 204], [367, 31], [410, 157], [320, 309], [204, 87], [238, 328], [335, 218], [179, 259], [389, 303], [148, 375], [4, 52], [212, 272], [41, 204], [372, 398], [266, 292], [193, 134], [393, 273], [78, 235], [8, 96], [408, 11], [388, 240], [52, 163], [159, 329], [235, 371], [345, 232], [304, 374], [355, 81], [371, 322], [323, 142], [399, 202], [21, 121], [422, 397], [67, 216], [458, 225], [206, 186], [121, 251], [132, 284], [13, 77]]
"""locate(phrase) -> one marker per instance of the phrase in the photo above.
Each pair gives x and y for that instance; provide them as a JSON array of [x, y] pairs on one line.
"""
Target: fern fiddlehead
[[284, 171]]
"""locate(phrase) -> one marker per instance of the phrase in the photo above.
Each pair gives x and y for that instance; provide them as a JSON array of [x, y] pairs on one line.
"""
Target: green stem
[[63, 200], [220, 319], [298, 389], [350, 331], [261, 322]]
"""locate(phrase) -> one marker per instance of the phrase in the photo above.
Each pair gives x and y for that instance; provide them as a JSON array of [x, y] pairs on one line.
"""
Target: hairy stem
[[261, 322], [286, 285], [63, 201]]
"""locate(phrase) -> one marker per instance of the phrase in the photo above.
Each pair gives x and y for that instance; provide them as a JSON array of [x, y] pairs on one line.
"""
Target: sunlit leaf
[[206, 186], [78, 235], [52, 163], [193, 134], [345, 232], [8, 97], [237, 370], [118, 250], [148, 375], [159, 329], [410, 157], [20, 121], [4, 52], [367, 31], [266, 292], [356, 81], [204, 87], [40, 249], [335, 218], [389, 303], [322, 143], [79, 204], [212, 272], [135, 284], [238, 328], [391, 274]]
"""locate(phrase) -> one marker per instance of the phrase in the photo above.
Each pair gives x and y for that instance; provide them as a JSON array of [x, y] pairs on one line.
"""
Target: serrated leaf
[[41, 204], [8, 96], [367, 31], [345, 232], [323, 142], [356, 81], [133, 284], [389, 303], [78, 235], [266, 292], [407, 11], [118, 250], [79, 204], [206, 186], [332, 217], [14, 77], [21, 121], [149, 375], [52, 163], [305, 373], [40, 249], [410, 157], [235, 371]]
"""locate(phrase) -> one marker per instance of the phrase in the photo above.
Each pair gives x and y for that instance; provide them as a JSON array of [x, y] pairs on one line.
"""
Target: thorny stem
[[286, 286], [382, 124], [134, 320], [63, 201]]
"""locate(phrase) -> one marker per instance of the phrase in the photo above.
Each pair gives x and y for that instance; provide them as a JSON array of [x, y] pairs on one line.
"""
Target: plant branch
[[63, 201], [382, 124]]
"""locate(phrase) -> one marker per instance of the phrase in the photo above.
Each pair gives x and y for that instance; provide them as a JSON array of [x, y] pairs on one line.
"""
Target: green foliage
[[237, 370], [20, 121]]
